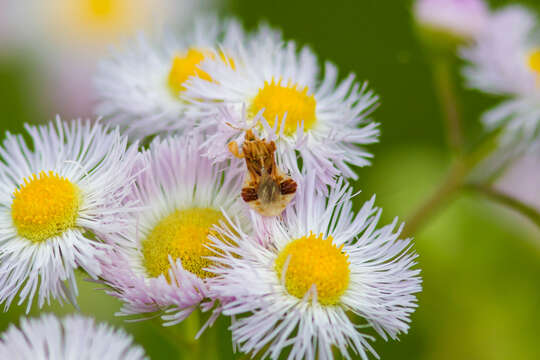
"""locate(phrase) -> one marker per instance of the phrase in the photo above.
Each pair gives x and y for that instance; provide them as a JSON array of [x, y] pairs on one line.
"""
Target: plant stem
[[442, 77], [444, 85], [453, 182], [191, 326], [172, 336], [456, 177], [209, 340], [464, 163], [498, 196]]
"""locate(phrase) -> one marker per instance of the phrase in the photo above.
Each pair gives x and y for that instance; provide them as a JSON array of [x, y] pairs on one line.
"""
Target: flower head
[[71, 338], [277, 91], [139, 86], [463, 19], [88, 27], [160, 261], [505, 60], [71, 181], [305, 280], [66, 38]]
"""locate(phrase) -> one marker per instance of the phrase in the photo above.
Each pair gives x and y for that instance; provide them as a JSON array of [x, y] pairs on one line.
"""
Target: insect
[[266, 189]]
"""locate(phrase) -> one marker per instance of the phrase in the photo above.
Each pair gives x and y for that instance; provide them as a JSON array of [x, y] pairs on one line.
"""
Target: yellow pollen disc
[[45, 206], [277, 99], [101, 8], [182, 235], [534, 60], [314, 261], [95, 24], [186, 65]]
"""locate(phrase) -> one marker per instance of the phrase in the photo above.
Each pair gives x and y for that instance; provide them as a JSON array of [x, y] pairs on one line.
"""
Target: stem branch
[[453, 182], [500, 197], [446, 93]]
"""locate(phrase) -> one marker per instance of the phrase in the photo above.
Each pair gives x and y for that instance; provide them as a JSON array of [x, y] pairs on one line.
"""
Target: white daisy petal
[[297, 284], [72, 338], [461, 18], [71, 181], [158, 263], [505, 60], [139, 85]]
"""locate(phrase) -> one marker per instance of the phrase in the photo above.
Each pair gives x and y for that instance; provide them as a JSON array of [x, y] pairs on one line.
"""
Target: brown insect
[[266, 189]]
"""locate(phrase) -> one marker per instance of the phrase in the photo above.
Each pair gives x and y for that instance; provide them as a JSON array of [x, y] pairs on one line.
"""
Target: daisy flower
[[159, 264], [505, 60], [278, 91], [65, 38], [306, 280], [87, 27], [462, 19], [139, 85], [71, 338], [70, 181]]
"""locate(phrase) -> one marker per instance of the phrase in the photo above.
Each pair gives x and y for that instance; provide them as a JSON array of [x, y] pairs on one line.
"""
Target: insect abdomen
[[268, 190]]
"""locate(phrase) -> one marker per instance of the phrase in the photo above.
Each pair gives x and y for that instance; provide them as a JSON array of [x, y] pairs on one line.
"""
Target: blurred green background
[[480, 262]]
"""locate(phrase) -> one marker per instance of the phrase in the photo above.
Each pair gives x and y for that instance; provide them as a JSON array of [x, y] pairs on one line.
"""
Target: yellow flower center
[[101, 8], [95, 24], [183, 67], [313, 260], [106, 14], [181, 235], [45, 206], [186, 65], [278, 100], [534, 61]]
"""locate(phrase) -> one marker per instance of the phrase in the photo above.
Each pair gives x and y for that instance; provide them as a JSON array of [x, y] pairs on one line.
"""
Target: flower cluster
[[235, 203], [221, 81]]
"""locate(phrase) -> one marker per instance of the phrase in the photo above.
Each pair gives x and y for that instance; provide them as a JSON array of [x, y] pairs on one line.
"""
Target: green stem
[[456, 180], [441, 196], [209, 340], [507, 200], [191, 326], [172, 336], [444, 85], [464, 163], [206, 347], [452, 183]]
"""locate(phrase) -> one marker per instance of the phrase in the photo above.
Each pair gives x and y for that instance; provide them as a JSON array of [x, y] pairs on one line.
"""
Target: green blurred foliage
[[17, 102], [480, 263]]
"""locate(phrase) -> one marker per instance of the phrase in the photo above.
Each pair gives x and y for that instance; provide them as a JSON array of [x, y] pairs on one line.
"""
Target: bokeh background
[[480, 262]]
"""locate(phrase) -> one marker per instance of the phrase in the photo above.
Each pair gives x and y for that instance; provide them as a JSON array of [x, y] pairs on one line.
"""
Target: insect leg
[[233, 148]]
